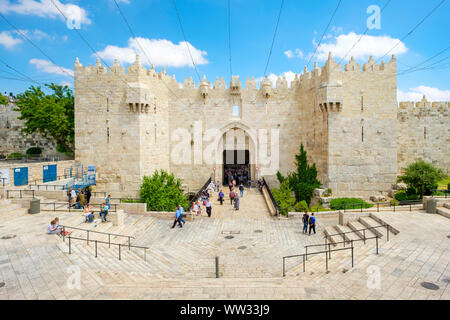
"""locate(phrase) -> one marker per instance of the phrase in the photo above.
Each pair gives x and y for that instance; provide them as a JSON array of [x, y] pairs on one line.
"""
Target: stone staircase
[[444, 210]]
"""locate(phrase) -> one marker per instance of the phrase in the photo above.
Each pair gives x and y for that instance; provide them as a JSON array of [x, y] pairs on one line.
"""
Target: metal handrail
[[100, 232], [109, 243], [8, 192], [198, 194], [3, 181], [387, 226], [70, 208]]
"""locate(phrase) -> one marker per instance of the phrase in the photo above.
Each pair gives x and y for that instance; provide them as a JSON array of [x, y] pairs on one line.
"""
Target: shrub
[[401, 195], [448, 186], [318, 209], [301, 206], [348, 203], [283, 197], [422, 176], [34, 151], [162, 192], [328, 193], [16, 155], [304, 180], [394, 202]]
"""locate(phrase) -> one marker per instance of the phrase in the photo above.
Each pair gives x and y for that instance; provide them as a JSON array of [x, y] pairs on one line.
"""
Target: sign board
[[21, 176], [4, 177], [91, 168]]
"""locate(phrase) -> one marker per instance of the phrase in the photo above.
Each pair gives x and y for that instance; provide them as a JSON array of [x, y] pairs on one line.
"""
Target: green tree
[[3, 100], [163, 192], [283, 197], [304, 180], [422, 176], [51, 115]]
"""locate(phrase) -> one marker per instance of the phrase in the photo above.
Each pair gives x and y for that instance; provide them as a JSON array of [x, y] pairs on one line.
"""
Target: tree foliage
[[163, 192], [3, 100], [304, 180], [283, 197], [51, 115], [422, 176]]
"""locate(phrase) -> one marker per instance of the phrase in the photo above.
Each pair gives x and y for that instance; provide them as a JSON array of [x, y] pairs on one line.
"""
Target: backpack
[[312, 220], [232, 195]]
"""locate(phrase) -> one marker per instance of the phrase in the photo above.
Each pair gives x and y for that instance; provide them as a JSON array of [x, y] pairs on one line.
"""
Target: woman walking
[[236, 202]]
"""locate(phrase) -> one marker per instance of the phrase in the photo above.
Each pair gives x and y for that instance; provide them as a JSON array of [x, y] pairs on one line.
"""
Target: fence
[[96, 242], [328, 250], [64, 206], [10, 194], [195, 197], [361, 206]]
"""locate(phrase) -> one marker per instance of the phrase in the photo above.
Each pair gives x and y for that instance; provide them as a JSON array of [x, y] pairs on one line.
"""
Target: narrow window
[[362, 133], [362, 103], [107, 134], [425, 133], [235, 111], [107, 104]]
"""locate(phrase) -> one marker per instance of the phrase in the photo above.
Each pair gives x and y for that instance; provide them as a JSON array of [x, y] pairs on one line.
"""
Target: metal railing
[[3, 181], [361, 206], [50, 179], [437, 193], [21, 193], [274, 202], [199, 193], [64, 206], [47, 187], [96, 242], [328, 244]]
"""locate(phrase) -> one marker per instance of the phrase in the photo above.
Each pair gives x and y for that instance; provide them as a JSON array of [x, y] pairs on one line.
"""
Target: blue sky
[[205, 23]]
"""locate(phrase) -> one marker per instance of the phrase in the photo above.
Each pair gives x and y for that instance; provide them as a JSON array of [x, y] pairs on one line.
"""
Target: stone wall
[[12, 139], [140, 121], [35, 170], [424, 132]]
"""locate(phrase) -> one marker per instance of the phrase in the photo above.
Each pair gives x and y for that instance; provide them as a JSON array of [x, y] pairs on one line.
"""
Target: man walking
[[177, 219], [305, 220], [208, 207], [88, 195], [180, 208], [241, 189], [312, 223], [221, 195]]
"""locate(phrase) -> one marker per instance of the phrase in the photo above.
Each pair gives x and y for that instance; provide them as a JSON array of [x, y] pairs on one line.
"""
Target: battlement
[[331, 72], [423, 104]]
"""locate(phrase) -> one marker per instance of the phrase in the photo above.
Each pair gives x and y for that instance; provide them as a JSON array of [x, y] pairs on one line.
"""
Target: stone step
[[356, 226], [382, 222], [348, 233], [447, 205], [368, 222], [443, 211]]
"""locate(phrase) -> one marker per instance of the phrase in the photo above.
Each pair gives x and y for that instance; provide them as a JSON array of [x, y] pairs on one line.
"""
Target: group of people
[[55, 228], [240, 175], [179, 217], [79, 198], [309, 221]]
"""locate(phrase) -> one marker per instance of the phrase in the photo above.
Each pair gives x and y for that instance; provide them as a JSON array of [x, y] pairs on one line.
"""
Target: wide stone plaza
[[180, 262]]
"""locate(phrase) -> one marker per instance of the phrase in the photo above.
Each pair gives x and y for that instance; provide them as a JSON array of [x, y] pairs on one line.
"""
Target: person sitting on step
[[104, 211]]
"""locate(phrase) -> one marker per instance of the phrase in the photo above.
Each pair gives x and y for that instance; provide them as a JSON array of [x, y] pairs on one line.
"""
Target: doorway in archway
[[236, 165]]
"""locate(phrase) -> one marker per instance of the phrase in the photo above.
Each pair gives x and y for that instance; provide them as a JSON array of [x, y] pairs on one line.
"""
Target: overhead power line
[[229, 38], [364, 33], [413, 29], [324, 32], [274, 36], [185, 40]]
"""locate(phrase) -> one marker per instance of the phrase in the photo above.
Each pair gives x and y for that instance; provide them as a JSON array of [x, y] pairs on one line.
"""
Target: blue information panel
[[49, 173], [21, 176]]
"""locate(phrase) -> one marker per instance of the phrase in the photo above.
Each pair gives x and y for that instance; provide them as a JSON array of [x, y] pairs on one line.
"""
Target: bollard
[[217, 267]]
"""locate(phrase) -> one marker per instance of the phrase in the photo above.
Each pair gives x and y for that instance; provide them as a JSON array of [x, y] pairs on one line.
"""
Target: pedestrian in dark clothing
[[88, 195], [312, 224], [232, 195], [208, 208], [305, 220], [177, 219], [221, 195]]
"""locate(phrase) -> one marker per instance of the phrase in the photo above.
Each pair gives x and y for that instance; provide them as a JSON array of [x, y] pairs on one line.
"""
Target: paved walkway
[[180, 261]]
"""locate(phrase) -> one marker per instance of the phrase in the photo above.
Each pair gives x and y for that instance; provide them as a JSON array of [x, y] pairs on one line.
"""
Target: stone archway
[[236, 149]]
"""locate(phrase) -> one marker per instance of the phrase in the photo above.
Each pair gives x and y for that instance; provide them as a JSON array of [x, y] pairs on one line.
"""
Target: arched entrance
[[236, 154]]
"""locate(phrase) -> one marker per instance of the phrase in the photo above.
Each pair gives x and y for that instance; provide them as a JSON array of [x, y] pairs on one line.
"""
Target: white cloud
[[297, 54], [45, 8], [375, 46], [8, 41], [65, 83], [416, 94], [48, 67], [161, 52], [290, 76]]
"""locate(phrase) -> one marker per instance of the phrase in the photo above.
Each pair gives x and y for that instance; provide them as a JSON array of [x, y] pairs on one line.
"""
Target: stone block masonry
[[131, 123]]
